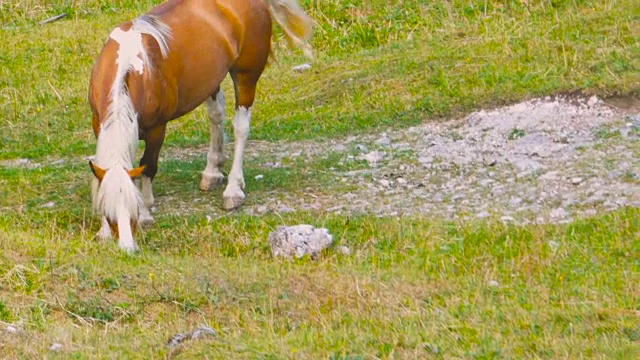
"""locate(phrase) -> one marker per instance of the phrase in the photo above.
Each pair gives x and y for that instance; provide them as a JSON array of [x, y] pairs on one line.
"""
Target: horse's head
[[113, 211]]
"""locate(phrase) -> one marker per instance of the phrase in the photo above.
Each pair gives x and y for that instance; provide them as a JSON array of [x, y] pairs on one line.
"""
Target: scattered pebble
[[383, 140], [302, 67], [195, 334], [259, 177], [344, 250], [494, 283], [12, 329], [49, 205], [56, 347], [576, 180], [374, 157]]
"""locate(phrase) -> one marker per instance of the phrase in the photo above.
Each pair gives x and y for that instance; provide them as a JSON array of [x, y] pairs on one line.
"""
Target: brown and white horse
[[161, 66]]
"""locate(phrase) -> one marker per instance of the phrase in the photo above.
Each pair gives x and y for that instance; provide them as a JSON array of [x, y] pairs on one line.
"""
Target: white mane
[[118, 139]]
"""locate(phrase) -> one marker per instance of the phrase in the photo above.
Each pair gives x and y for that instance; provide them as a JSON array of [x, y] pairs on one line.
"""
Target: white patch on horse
[[131, 52], [216, 109], [233, 195]]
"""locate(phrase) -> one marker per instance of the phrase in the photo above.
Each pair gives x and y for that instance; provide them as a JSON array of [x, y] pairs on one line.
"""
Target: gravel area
[[543, 160]]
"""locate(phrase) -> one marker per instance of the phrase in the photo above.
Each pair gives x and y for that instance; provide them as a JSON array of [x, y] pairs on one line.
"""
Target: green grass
[[416, 287], [380, 64]]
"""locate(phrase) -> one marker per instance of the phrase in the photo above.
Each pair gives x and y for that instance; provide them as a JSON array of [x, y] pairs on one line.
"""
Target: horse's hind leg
[[245, 89], [153, 142], [212, 176]]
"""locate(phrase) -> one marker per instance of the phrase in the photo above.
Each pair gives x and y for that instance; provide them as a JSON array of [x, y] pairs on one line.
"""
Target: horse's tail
[[296, 23], [118, 138]]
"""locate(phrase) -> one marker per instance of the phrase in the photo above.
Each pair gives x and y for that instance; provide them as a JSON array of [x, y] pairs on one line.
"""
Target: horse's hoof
[[210, 182], [104, 234], [130, 250], [232, 202], [146, 221]]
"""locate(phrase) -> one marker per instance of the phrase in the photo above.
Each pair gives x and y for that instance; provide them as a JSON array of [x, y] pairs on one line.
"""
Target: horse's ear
[[137, 172], [97, 171]]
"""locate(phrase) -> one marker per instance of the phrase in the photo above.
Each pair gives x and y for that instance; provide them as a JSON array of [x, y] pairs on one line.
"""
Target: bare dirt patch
[[543, 160]]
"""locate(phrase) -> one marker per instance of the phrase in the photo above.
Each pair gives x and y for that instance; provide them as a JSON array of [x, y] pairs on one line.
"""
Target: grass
[[418, 287]]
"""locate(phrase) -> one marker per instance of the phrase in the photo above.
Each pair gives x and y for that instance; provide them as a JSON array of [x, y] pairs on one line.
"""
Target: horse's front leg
[[212, 176], [153, 142]]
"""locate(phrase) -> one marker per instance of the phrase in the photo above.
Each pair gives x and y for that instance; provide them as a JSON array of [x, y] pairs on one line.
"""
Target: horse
[[159, 67]]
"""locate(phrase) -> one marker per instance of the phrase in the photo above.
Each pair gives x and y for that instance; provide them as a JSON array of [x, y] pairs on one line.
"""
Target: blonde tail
[[297, 25]]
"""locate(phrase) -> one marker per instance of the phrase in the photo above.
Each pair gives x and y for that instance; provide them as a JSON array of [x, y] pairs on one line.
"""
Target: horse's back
[[208, 39]]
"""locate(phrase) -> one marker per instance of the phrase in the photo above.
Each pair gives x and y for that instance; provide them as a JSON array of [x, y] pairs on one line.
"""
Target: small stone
[[344, 250], [205, 330], [401, 181], [558, 213], [383, 140], [374, 157], [271, 164], [425, 159], [489, 161], [483, 214], [302, 67], [49, 205], [12, 329], [553, 245], [385, 183], [515, 201], [592, 101], [494, 283], [261, 209], [56, 347], [259, 177], [576, 180], [507, 219]]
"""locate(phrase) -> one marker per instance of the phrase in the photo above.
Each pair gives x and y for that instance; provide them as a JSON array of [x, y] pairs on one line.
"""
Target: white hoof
[[103, 235], [211, 181], [129, 249], [145, 221], [233, 200], [105, 232]]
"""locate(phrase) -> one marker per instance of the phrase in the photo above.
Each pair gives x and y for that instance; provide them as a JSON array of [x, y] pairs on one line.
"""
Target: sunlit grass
[[415, 287]]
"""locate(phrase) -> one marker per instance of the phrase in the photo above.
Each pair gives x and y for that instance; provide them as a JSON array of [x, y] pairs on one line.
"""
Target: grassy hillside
[[415, 287]]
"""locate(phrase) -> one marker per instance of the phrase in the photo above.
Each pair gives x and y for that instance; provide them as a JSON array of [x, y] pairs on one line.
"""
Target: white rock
[[259, 177], [374, 157], [298, 241], [49, 205], [56, 347], [344, 250], [576, 180], [12, 329], [383, 140]]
